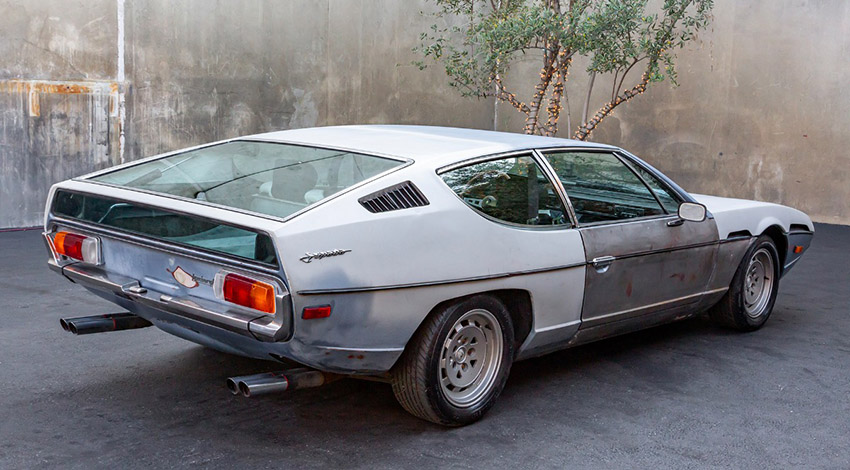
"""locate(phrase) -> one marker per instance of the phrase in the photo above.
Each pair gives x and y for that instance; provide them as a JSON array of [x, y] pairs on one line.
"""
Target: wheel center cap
[[460, 354]]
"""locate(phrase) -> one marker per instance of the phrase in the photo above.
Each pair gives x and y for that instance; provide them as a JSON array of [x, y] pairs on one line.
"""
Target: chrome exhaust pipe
[[273, 382], [102, 323]]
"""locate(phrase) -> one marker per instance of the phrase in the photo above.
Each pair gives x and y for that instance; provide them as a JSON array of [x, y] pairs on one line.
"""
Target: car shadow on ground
[[192, 383]]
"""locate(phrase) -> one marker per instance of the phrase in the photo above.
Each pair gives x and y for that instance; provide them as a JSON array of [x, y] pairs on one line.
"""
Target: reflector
[[311, 313]]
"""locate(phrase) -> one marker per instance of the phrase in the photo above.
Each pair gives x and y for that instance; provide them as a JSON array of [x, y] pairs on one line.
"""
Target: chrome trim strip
[[558, 326], [496, 156], [550, 172], [369, 350], [592, 321], [788, 266], [349, 290], [667, 250]]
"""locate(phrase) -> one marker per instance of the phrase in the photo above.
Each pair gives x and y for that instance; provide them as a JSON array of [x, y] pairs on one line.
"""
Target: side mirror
[[692, 211]]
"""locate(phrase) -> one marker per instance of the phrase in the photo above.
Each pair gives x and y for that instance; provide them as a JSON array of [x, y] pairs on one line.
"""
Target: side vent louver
[[396, 197]]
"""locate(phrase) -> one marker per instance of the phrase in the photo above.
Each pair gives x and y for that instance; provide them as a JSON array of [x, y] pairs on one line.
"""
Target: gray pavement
[[686, 395]]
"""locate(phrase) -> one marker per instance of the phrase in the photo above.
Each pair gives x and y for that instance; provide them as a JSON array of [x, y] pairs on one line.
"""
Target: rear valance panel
[[165, 225]]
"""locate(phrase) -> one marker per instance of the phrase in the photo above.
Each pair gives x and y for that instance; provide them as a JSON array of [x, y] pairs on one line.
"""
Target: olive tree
[[477, 41]]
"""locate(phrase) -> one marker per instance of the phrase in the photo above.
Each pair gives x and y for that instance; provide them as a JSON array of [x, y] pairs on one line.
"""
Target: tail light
[[67, 245], [245, 291]]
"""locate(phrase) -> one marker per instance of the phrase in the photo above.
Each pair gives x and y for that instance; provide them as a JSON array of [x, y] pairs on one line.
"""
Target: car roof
[[435, 145]]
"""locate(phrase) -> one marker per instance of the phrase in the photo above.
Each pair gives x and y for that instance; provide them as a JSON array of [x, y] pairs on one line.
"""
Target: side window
[[512, 189], [602, 188], [668, 198]]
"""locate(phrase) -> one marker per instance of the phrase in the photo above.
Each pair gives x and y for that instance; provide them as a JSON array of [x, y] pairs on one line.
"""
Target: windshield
[[269, 178]]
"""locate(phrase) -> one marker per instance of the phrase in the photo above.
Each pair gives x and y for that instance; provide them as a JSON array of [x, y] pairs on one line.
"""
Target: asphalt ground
[[686, 395]]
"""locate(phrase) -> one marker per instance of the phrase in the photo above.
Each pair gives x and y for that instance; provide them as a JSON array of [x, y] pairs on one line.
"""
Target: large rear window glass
[[269, 178], [165, 225]]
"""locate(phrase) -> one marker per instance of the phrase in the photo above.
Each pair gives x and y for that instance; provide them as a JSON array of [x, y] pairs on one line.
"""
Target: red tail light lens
[[248, 292], [78, 247]]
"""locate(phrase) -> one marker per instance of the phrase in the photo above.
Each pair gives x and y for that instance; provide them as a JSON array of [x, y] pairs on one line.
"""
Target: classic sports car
[[427, 257]]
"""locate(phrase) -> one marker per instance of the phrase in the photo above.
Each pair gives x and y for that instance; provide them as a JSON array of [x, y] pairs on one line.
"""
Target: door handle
[[602, 263], [675, 223]]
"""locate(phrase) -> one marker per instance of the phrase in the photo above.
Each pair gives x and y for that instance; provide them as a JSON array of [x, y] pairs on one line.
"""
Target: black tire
[[735, 310], [418, 379]]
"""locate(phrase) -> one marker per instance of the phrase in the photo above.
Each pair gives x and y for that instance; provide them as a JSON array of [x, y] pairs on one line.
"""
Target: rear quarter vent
[[396, 197]]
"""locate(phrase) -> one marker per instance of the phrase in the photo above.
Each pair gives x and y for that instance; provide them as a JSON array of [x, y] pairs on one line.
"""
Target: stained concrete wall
[[194, 71], [762, 111]]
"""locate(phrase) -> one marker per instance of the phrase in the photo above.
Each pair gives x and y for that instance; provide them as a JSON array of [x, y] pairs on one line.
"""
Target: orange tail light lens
[[78, 247], [248, 292]]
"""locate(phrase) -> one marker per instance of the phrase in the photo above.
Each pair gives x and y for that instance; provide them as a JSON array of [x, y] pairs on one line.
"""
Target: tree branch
[[587, 99], [584, 131]]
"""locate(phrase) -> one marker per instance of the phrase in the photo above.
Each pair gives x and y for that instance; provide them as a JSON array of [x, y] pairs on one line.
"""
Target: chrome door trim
[[543, 162], [651, 307]]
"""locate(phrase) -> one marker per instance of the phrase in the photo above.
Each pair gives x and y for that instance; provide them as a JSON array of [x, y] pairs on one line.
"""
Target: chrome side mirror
[[692, 211]]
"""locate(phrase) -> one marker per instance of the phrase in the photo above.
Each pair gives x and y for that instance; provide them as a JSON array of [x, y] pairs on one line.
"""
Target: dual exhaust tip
[[102, 323], [246, 385], [275, 382]]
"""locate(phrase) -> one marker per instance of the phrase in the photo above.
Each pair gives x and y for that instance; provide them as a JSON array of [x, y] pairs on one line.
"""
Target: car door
[[641, 257]]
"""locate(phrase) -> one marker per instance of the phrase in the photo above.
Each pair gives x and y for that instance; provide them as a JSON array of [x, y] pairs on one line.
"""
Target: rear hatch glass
[[264, 177]]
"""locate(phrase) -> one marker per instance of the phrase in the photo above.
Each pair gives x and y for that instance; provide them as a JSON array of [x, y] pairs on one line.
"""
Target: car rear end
[[226, 289], [188, 241]]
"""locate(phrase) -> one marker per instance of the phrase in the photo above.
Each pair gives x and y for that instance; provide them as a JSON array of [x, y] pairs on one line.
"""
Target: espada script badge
[[190, 281], [308, 257]]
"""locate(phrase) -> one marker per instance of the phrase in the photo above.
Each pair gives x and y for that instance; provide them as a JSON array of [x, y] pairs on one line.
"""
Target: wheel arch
[[516, 301], [780, 239]]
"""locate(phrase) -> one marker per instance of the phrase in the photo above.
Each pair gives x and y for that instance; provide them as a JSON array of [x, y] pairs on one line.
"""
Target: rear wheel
[[749, 301], [457, 364]]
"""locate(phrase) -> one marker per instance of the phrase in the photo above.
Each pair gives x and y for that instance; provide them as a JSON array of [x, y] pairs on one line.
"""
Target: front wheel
[[750, 298], [457, 364]]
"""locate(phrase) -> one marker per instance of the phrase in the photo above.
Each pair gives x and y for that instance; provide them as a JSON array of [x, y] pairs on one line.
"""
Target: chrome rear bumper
[[261, 327]]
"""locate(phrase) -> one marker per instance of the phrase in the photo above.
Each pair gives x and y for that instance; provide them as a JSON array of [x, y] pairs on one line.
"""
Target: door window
[[668, 198], [512, 189], [602, 188]]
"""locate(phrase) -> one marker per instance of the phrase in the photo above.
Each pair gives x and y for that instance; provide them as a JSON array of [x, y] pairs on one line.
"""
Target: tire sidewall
[[738, 285], [448, 412]]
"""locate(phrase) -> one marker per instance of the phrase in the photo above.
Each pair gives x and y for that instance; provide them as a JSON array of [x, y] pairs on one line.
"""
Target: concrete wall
[[762, 111], [194, 71]]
